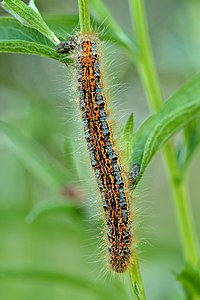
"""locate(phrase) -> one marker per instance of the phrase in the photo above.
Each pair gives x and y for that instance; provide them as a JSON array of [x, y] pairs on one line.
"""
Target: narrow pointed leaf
[[29, 17], [127, 139], [174, 114], [16, 38], [189, 145]]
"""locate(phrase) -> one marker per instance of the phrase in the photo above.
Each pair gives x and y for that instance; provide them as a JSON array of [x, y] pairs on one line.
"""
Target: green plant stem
[[84, 16], [145, 63], [150, 81], [182, 204], [136, 280]]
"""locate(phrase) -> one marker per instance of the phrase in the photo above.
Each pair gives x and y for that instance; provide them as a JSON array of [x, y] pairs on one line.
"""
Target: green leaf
[[127, 139], [34, 158], [174, 114], [33, 6], [30, 17], [69, 206], [189, 144], [190, 279], [17, 38], [27, 48]]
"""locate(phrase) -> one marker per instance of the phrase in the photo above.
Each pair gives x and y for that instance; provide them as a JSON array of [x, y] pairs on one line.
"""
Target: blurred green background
[[44, 166]]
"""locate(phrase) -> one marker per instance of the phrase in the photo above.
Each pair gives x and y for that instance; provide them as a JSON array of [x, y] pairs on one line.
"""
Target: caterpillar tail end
[[119, 265]]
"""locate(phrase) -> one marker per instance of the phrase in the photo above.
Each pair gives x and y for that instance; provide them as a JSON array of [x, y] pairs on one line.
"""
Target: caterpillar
[[103, 154]]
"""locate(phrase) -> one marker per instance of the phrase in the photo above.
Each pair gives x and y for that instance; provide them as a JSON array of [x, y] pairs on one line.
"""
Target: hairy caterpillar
[[103, 154]]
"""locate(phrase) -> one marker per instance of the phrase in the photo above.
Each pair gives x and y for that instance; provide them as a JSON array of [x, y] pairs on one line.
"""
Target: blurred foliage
[[48, 213], [190, 279]]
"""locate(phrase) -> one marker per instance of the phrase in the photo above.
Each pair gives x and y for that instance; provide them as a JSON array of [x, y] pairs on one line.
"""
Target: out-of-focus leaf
[[35, 158], [190, 279], [113, 31], [63, 25], [42, 208], [177, 112]]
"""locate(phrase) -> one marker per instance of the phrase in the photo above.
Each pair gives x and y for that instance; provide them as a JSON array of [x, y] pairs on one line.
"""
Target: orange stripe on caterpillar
[[103, 154]]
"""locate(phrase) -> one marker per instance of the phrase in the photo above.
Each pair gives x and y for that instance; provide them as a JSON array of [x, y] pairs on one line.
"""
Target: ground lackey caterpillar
[[104, 157]]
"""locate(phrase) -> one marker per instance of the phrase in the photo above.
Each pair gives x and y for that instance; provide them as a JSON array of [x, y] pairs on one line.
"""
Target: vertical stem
[[182, 205], [150, 81], [84, 16], [145, 64], [136, 280]]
